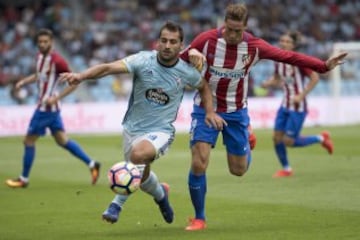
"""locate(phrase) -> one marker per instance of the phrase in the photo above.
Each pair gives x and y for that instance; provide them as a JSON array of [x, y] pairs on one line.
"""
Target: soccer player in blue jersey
[[159, 81], [49, 65], [293, 110]]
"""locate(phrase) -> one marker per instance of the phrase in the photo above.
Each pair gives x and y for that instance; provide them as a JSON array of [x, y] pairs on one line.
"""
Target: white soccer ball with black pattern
[[124, 178]]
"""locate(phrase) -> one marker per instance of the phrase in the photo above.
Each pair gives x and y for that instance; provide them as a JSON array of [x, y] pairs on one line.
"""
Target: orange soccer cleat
[[327, 142], [196, 224], [252, 138], [283, 173], [16, 183]]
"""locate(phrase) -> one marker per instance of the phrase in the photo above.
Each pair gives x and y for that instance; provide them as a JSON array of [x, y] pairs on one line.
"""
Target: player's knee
[[199, 165], [238, 171], [277, 139], [288, 141], [29, 141], [139, 156], [60, 142]]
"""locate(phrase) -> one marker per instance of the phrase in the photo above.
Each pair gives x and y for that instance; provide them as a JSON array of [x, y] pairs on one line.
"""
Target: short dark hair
[[296, 37], [173, 27], [45, 32], [237, 12]]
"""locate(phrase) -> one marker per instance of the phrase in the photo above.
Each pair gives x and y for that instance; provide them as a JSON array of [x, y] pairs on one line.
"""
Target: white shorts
[[160, 140]]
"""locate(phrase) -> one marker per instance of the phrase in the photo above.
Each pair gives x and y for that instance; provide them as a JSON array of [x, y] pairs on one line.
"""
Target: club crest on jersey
[[157, 96]]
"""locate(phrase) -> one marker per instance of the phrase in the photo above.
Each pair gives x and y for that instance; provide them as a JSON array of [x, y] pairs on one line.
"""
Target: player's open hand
[[335, 60], [71, 78], [196, 58], [214, 120]]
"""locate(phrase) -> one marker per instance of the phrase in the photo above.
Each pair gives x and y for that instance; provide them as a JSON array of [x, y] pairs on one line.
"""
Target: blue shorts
[[290, 122], [42, 120], [235, 134]]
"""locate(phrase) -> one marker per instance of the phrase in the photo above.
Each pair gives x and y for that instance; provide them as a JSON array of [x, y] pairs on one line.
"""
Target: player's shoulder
[[188, 69], [147, 53], [145, 56], [249, 37], [57, 57], [184, 64]]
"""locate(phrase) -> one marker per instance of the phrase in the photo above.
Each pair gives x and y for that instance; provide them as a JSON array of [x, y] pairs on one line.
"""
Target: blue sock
[[197, 188], [305, 141], [76, 150], [28, 159], [280, 149]]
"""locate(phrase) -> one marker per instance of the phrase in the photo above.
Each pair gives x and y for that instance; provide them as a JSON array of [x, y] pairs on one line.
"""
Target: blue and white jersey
[[157, 92]]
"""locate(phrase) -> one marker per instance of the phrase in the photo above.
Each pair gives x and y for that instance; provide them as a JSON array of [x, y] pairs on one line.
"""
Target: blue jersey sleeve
[[194, 78], [134, 61]]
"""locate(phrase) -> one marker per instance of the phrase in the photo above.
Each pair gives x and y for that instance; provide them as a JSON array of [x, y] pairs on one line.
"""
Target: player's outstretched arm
[[95, 72], [24, 81], [267, 51], [336, 60]]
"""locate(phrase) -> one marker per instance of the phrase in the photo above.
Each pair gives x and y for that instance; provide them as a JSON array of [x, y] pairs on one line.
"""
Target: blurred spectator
[[93, 31]]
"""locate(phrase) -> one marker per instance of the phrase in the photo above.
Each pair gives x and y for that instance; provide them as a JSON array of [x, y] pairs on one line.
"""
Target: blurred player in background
[[293, 110], [159, 80], [228, 54], [49, 65]]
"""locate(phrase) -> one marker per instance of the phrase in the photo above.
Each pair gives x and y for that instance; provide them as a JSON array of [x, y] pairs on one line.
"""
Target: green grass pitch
[[321, 201]]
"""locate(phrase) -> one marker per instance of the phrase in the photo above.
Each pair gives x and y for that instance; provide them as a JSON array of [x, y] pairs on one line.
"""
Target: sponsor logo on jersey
[[226, 73], [157, 96]]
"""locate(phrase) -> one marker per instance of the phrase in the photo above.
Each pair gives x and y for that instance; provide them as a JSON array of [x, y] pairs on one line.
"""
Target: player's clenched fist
[[196, 58], [71, 78]]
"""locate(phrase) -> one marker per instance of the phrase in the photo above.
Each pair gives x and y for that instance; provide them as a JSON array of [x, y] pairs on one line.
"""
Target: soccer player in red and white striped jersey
[[228, 54], [293, 110], [49, 65]]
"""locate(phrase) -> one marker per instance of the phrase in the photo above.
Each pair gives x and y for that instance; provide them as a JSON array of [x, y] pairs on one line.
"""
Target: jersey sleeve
[[134, 62], [267, 51], [194, 78], [306, 71], [61, 65], [198, 43]]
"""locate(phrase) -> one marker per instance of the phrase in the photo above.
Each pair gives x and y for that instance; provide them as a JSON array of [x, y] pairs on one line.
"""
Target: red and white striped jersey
[[228, 66], [48, 68], [293, 79]]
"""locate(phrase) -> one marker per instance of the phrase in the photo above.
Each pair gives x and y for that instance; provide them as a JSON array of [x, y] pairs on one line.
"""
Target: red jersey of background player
[[228, 66], [48, 68], [293, 79]]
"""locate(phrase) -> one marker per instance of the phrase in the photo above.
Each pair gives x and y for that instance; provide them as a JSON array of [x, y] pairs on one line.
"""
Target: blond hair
[[237, 12]]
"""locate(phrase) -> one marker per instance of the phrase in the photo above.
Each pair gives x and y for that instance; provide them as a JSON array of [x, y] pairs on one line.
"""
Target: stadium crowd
[[89, 32]]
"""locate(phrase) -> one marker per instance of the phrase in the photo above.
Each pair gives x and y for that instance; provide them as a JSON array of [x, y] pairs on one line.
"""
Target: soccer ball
[[124, 178]]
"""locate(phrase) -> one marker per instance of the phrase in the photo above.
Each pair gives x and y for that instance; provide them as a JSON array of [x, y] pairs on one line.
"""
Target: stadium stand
[[93, 31]]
